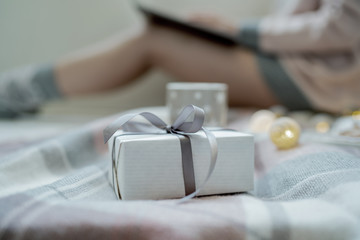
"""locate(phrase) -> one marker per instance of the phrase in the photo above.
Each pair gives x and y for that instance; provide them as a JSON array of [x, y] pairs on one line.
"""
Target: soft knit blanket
[[54, 185]]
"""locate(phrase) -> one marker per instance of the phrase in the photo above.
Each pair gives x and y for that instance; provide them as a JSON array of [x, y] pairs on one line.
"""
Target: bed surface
[[54, 185]]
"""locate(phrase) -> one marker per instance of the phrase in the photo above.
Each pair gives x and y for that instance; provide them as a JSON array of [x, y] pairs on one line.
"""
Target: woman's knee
[[163, 43]]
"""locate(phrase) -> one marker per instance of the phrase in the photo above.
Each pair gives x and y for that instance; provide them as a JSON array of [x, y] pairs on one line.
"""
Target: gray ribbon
[[183, 128]]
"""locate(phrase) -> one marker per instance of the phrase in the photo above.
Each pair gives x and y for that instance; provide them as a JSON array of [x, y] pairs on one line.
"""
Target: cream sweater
[[318, 43]]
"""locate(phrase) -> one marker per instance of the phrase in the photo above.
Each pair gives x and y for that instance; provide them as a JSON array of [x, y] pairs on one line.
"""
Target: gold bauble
[[285, 133]]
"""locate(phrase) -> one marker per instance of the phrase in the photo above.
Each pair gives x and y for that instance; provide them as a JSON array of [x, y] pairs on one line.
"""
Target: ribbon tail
[[214, 153]]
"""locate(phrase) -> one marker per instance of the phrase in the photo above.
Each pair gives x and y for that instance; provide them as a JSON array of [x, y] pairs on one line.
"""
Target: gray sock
[[24, 90]]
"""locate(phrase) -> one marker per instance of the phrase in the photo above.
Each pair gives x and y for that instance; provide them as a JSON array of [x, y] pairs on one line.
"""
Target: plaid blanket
[[54, 185]]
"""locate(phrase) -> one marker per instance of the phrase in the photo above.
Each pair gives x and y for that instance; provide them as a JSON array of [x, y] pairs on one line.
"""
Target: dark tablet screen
[[160, 18]]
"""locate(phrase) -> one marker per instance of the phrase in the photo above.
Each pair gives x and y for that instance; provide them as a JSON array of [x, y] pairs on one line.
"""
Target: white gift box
[[149, 166]]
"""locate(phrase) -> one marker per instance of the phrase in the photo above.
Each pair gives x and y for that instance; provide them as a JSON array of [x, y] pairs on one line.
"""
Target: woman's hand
[[213, 21]]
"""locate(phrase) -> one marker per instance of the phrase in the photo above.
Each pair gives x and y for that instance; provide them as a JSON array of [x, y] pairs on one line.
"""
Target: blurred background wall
[[40, 31]]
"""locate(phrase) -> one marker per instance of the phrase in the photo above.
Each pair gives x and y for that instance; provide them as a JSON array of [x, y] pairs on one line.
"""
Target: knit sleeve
[[333, 27]]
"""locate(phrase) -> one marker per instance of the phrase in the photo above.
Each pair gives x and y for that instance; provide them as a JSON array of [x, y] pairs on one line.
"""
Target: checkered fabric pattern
[[55, 186]]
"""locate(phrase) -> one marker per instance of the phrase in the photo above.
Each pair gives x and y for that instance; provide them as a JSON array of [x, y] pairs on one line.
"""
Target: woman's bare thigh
[[192, 59]]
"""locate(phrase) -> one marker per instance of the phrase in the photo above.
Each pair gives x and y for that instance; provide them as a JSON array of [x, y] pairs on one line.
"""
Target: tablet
[[163, 19]]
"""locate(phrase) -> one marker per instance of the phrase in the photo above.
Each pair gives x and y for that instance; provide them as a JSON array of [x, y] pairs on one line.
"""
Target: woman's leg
[[192, 59], [103, 67], [185, 57]]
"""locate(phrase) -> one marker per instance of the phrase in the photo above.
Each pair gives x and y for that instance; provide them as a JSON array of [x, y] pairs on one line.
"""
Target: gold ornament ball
[[285, 133]]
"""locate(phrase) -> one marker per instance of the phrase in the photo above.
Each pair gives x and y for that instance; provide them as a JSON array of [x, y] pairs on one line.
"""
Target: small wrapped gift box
[[158, 161], [149, 166]]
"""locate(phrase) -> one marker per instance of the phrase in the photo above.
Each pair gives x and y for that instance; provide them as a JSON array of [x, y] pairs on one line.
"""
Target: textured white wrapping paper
[[150, 167]]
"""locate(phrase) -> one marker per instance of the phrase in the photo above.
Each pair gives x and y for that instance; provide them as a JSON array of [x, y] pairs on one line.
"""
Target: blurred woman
[[307, 57]]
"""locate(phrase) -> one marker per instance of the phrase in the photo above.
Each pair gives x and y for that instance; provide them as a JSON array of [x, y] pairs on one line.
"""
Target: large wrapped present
[[178, 160]]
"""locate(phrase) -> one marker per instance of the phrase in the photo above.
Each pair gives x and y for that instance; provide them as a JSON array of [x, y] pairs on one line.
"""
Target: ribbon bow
[[181, 126]]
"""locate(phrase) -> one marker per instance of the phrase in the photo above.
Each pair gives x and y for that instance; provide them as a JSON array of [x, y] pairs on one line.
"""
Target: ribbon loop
[[193, 126], [110, 130]]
